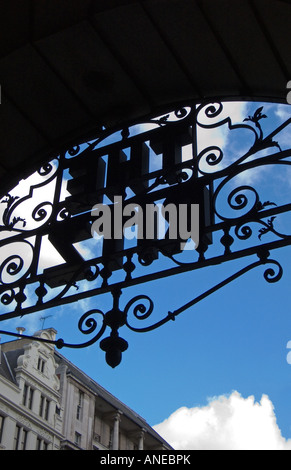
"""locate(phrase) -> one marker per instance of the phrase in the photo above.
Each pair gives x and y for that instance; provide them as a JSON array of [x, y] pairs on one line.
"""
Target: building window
[[47, 408], [40, 364], [44, 407], [2, 419], [80, 405], [23, 439], [17, 437], [78, 439], [20, 438], [41, 444], [27, 399], [41, 405], [38, 443], [30, 398], [25, 392]]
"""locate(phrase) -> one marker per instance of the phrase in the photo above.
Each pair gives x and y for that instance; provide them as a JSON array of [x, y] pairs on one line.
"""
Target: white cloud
[[226, 423], [224, 138], [283, 111]]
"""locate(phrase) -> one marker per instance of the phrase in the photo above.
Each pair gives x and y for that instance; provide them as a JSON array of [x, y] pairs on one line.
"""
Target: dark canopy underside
[[69, 67]]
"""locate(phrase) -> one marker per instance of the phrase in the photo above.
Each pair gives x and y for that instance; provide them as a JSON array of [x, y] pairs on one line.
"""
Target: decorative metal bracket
[[115, 318], [144, 163]]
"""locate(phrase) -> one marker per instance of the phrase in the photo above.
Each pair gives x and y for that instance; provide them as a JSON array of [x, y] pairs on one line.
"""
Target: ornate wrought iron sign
[[97, 210]]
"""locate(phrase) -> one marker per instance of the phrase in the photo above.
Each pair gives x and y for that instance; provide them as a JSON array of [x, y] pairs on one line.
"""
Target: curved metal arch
[[86, 175]]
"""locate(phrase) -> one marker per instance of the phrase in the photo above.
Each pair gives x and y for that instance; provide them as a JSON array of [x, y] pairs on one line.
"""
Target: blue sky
[[230, 349]]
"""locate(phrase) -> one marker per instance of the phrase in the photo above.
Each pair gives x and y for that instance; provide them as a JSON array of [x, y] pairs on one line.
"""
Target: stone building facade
[[47, 403]]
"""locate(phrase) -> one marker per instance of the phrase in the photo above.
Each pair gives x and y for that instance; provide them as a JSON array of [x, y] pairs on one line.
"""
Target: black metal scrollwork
[[158, 158]]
